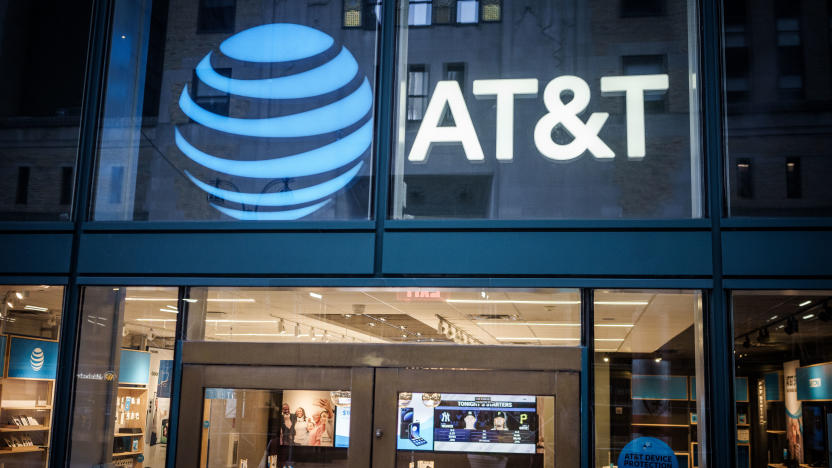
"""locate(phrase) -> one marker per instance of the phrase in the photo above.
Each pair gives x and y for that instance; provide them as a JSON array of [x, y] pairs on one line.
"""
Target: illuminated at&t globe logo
[[331, 100], [36, 359]]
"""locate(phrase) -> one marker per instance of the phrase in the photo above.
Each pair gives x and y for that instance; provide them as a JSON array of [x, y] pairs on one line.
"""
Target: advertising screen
[[469, 423]]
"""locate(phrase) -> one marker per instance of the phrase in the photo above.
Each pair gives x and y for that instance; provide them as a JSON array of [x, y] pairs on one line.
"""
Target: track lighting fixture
[[763, 335], [791, 326]]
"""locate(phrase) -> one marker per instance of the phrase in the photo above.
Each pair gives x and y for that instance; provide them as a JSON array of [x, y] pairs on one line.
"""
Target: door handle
[[379, 433]]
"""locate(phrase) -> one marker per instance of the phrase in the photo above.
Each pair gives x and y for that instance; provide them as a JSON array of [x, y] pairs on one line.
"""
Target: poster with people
[[794, 413], [307, 418]]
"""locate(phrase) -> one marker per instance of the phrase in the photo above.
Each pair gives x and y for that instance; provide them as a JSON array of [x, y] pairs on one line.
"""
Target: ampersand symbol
[[585, 135]]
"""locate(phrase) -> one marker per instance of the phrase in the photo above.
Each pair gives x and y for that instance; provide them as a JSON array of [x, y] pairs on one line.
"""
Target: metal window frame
[[725, 253]]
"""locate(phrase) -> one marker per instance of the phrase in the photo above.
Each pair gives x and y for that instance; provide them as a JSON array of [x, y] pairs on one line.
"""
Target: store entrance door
[[363, 406]]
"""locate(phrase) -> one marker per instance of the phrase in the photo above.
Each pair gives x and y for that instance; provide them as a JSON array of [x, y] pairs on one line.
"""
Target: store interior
[[783, 361]]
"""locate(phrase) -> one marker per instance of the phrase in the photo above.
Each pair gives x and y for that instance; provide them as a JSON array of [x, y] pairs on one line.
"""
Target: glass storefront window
[[552, 110], [123, 382], [43, 51], [778, 81], [226, 110], [542, 317], [648, 376], [30, 322], [782, 382]]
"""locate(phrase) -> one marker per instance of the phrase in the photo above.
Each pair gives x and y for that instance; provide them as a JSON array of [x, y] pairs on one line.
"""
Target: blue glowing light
[[325, 119], [283, 42], [329, 77], [316, 161], [290, 197], [286, 215], [278, 42]]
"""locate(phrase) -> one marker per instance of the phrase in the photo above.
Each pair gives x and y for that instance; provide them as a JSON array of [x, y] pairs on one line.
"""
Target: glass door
[[274, 417], [476, 419]]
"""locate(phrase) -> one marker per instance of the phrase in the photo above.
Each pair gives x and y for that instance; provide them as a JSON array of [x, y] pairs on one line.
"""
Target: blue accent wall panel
[[227, 253], [777, 253], [773, 380], [814, 382], [134, 367], [3, 341], [548, 253], [32, 359], [35, 253], [741, 389], [659, 387]]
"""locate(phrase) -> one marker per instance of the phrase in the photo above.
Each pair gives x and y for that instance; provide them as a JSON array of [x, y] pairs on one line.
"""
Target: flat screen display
[[469, 423]]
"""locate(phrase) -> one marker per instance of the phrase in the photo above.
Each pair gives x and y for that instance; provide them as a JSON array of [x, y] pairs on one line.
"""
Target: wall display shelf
[[27, 392], [131, 408]]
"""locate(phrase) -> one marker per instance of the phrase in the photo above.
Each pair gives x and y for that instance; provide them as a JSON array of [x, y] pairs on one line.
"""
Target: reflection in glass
[[777, 76], [43, 57], [273, 428], [238, 111], [537, 317], [475, 430], [30, 322], [123, 384], [783, 366], [648, 374], [475, 138]]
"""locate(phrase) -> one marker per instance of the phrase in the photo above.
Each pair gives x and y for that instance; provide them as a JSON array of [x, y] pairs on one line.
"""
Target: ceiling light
[[37, 308], [404, 336], [371, 324], [239, 321], [169, 311], [606, 359], [248, 334], [804, 303], [532, 324], [232, 299], [150, 299], [808, 316], [191, 300], [658, 359], [19, 295], [316, 295], [773, 317], [171, 307], [508, 338], [347, 315], [9, 304], [505, 301]]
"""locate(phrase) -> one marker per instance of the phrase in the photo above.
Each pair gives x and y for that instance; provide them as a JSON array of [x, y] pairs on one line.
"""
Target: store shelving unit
[[22, 398], [131, 420]]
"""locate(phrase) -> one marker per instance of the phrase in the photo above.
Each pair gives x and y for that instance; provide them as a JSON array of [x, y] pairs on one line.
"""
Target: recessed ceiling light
[[371, 324], [804, 303], [658, 359], [9, 304], [808, 316], [316, 295], [191, 300], [169, 311], [606, 359], [773, 317], [37, 308], [19, 295]]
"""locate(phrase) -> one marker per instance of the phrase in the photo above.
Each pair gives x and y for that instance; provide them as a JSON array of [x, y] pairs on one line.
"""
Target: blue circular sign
[[647, 452], [140, 458]]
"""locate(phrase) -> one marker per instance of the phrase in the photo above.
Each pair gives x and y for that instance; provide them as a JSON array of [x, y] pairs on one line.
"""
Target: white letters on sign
[[585, 134]]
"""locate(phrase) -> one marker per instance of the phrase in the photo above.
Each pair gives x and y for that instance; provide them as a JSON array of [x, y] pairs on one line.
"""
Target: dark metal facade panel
[[297, 253], [28, 253], [777, 253], [570, 253]]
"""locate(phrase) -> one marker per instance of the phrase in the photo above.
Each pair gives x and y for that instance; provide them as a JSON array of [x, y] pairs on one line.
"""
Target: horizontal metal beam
[[383, 355]]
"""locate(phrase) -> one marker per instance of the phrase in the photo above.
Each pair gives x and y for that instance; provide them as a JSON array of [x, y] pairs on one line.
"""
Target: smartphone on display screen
[[414, 434]]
